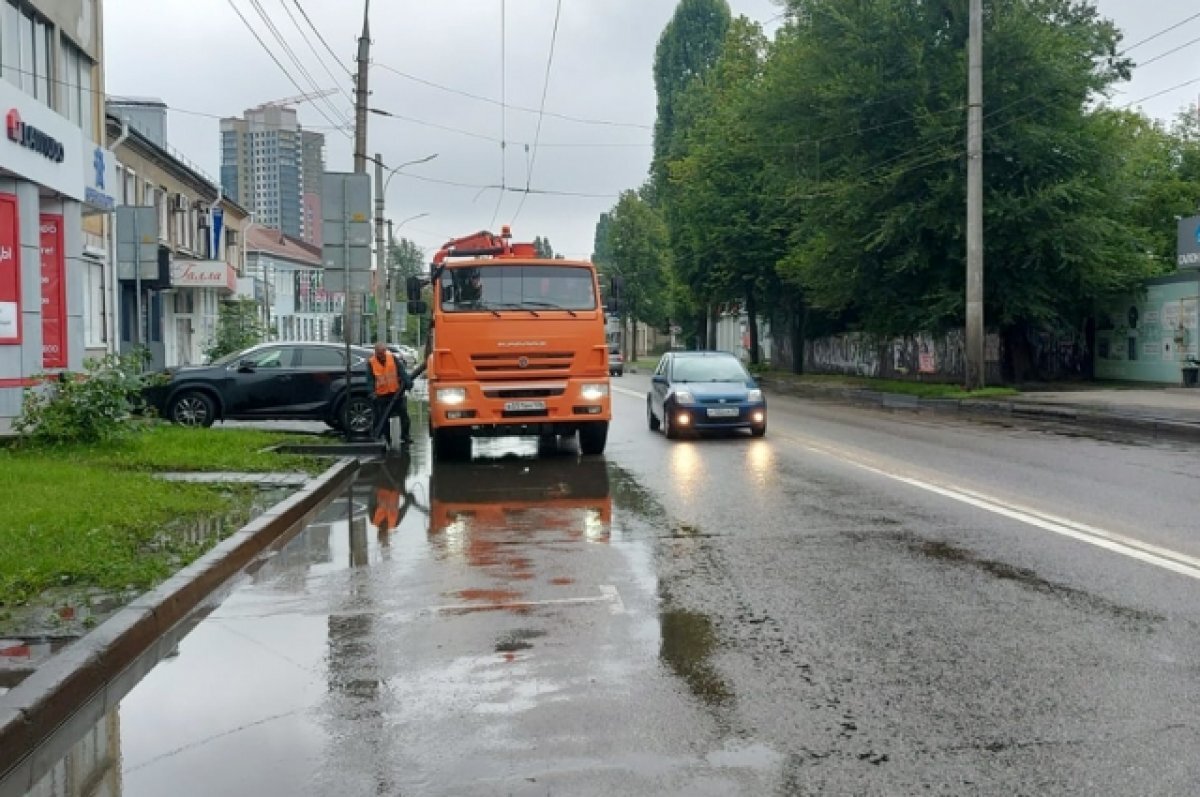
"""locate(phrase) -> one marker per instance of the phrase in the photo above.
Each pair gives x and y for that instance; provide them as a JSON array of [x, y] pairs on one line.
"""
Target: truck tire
[[592, 438], [451, 447]]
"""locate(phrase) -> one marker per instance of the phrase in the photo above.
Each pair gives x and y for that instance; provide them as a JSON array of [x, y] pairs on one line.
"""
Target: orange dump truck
[[516, 346]]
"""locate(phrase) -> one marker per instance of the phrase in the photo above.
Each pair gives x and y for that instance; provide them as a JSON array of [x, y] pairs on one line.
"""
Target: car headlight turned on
[[684, 397], [754, 395], [451, 395], [593, 392], [758, 416]]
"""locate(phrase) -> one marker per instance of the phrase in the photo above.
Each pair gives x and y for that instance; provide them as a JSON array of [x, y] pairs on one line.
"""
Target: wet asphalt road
[[860, 603]]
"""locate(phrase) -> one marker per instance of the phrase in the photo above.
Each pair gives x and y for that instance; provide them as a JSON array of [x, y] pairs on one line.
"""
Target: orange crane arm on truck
[[516, 346]]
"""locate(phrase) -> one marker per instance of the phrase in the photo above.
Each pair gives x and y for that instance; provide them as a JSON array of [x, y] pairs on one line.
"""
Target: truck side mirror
[[417, 308], [412, 287]]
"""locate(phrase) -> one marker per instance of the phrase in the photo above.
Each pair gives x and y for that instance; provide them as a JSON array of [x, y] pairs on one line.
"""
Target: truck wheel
[[451, 447], [592, 438]]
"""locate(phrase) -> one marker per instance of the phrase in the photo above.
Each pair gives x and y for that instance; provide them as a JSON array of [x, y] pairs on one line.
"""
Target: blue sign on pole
[[218, 217]]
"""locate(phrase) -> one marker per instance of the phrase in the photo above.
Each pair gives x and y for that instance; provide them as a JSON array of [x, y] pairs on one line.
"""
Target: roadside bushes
[[94, 406]]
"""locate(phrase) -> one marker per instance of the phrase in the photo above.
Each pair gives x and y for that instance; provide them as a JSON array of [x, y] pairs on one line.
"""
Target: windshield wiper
[[519, 307], [552, 306]]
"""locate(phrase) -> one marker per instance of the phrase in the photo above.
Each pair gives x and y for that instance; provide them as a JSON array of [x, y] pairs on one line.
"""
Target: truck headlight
[[451, 395], [594, 392], [754, 395]]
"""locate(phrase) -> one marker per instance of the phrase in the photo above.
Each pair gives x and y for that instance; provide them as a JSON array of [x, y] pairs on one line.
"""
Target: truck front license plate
[[519, 406]]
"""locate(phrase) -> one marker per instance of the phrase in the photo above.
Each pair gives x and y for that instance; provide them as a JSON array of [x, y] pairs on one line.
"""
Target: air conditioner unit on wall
[[180, 203]]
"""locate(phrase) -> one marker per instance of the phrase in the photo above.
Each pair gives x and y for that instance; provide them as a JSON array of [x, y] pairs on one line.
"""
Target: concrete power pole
[[381, 331], [975, 327], [360, 94], [355, 300]]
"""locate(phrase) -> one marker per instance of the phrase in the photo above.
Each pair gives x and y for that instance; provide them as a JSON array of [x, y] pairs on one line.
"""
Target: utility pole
[[381, 331], [360, 94], [975, 345], [393, 329], [355, 301]]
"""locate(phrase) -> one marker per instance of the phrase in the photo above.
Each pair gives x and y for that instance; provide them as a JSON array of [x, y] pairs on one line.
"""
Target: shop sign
[[54, 293], [203, 274]]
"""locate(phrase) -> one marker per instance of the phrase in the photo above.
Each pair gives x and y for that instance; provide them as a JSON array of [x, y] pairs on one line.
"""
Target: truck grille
[[523, 392], [541, 362]]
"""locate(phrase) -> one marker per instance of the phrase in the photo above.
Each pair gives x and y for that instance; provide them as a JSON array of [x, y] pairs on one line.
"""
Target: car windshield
[[708, 369], [487, 288]]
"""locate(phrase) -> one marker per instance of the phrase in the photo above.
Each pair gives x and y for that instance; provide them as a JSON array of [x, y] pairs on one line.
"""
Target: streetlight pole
[[390, 292], [381, 186]]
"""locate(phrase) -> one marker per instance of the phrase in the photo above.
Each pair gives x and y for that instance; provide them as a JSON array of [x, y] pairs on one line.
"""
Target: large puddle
[[417, 616]]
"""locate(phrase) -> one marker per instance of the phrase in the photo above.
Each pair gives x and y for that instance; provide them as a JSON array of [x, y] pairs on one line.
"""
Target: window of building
[[75, 86], [94, 331]]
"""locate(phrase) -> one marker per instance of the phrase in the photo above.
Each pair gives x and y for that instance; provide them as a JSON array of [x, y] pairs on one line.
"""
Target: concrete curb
[[1163, 428], [45, 700]]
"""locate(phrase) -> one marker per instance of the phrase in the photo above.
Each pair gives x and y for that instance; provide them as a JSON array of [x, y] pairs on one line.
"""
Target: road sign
[[137, 241], [335, 281], [346, 220]]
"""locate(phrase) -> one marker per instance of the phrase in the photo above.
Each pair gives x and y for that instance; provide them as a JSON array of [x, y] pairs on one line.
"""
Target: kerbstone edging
[[1094, 419], [43, 701]]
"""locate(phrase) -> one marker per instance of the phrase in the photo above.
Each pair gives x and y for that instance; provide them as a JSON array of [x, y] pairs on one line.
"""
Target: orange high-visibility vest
[[387, 379], [387, 508]]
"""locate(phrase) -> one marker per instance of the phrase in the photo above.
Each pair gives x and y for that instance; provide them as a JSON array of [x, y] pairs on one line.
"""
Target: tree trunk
[[713, 319], [752, 321], [799, 325]]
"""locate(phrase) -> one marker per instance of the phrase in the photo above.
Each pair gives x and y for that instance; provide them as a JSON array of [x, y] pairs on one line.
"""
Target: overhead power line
[[537, 134], [317, 31], [1172, 51], [524, 109], [291, 54], [1162, 32], [282, 68], [336, 80], [503, 111]]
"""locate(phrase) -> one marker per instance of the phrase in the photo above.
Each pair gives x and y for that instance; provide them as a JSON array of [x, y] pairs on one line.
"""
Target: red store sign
[[54, 293], [10, 271]]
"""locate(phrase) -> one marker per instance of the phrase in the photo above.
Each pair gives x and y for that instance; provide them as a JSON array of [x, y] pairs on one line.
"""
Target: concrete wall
[[937, 358]]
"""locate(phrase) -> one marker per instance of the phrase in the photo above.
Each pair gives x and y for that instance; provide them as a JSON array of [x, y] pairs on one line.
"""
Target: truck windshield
[[468, 289]]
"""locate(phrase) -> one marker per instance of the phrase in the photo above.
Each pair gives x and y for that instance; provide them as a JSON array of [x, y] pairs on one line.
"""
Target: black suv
[[271, 381]]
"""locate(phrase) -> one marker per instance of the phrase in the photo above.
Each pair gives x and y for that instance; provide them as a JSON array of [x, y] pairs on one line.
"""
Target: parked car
[[616, 363], [407, 354], [704, 391], [271, 381]]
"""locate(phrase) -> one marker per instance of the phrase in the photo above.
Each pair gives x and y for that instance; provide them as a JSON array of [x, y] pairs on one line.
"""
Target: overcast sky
[[200, 57]]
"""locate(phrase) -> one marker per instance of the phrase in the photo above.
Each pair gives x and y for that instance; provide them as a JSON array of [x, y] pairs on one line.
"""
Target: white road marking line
[[627, 391], [608, 594], [1133, 548], [618, 605]]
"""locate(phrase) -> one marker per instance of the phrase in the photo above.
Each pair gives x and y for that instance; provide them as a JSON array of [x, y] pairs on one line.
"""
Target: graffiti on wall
[[924, 355]]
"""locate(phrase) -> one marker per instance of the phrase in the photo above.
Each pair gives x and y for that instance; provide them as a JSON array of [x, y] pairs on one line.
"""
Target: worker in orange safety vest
[[389, 382]]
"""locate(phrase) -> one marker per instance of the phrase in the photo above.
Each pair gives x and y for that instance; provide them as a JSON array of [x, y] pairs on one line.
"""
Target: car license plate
[[723, 412], [519, 406]]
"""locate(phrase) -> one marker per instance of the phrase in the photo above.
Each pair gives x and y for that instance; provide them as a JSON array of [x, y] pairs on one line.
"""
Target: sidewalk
[[1163, 412]]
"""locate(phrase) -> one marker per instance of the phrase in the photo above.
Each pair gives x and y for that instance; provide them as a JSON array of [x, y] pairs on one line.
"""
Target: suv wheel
[[358, 415], [192, 408]]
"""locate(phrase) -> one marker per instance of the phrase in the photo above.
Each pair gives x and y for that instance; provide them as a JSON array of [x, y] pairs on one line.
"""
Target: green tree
[[239, 326], [406, 259], [864, 106], [638, 243], [722, 188], [687, 49]]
